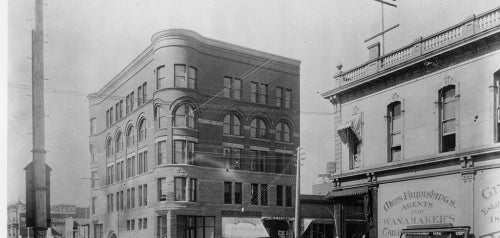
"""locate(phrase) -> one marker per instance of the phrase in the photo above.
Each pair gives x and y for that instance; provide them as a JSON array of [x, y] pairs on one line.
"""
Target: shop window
[[394, 130], [232, 125], [185, 152], [195, 226], [184, 116], [180, 189], [447, 108]]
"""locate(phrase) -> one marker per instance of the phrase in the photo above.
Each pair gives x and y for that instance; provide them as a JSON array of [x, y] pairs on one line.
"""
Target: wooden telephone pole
[[37, 172]]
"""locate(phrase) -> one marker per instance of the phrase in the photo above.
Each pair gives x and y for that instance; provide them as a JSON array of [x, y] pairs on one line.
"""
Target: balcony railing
[[469, 27]]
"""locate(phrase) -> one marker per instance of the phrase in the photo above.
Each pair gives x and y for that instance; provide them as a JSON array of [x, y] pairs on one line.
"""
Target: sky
[[89, 42]]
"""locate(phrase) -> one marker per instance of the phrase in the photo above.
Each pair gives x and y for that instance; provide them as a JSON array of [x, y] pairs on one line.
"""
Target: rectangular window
[[132, 224], [254, 194], [253, 92], [111, 200], [144, 223], [93, 178], [395, 131], [238, 193], [98, 231], [496, 117], [236, 92], [121, 108], [180, 189], [139, 95], [160, 77], [93, 204], [192, 76], [128, 225], [127, 104], [161, 152], [184, 152], [279, 96], [288, 196], [279, 195], [227, 87], [263, 94], [133, 167], [122, 201], [196, 226], [132, 198], [128, 199], [161, 227], [111, 116], [139, 196], [145, 195], [162, 189], [144, 92], [263, 194], [129, 167], [117, 111], [107, 118], [228, 193], [258, 160], [448, 120], [132, 101], [118, 201], [92, 126], [288, 98], [180, 75], [193, 188], [139, 224]]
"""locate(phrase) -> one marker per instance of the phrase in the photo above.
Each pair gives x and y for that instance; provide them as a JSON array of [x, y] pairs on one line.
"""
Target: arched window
[[232, 125], [161, 118], [184, 116], [109, 147], [394, 131], [142, 130], [258, 128], [447, 124], [119, 142], [130, 136], [283, 132]]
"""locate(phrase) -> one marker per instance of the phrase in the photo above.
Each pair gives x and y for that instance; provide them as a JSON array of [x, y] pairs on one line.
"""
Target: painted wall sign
[[419, 202], [487, 204]]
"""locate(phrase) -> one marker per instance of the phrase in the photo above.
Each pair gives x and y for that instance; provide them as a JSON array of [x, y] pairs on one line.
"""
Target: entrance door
[[355, 229]]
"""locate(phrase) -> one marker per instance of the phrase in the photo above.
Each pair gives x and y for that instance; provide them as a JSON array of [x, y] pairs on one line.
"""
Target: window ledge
[[233, 136]]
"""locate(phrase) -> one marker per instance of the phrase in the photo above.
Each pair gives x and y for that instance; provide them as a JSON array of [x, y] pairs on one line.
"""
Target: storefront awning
[[347, 192], [243, 227], [346, 130]]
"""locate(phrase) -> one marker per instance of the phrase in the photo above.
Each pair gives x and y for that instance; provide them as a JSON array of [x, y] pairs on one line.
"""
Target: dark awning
[[347, 192], [347, 130]]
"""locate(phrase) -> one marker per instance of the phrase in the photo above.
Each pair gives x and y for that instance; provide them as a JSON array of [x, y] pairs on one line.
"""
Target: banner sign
[[487, 204]]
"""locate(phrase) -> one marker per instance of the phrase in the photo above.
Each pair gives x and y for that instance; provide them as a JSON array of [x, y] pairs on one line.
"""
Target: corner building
[[418, 134], [194, 138]]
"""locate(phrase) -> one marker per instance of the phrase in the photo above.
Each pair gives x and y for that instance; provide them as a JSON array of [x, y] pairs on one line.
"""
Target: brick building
[[418, 134], [195, 137]]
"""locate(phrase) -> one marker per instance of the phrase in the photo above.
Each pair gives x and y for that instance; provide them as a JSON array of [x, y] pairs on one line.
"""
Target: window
[[118, 201], [232, 157], [447, 118], [143, 162], [132, 101], [132, 198], [355, 154], [161, 118], [180, 189], [109, 174], [195, 226], [142, 130], [162, 189], [254, 194], [144, 92], [228, 199], [93, 126], [238, 193], [139, 224], [93, 178], [107, 118], [258, 93], [184, 152], [232, 125], [141, 94], [111, 201], [132, 224], [258, 160], [122, 202], [283, 97], [144, 223], [279, 195], [394, 131], [160, 77], [263, 94], [263, 194], [128, 199], [180, 75], [288, 196], [111, 116], [130, 136], [119, 142], [93, 204], [161, 227], [121, 169], [253, 92], [145, 194], [161, 152], [109, 147], [258, 128], [184, 116], [139, 196], [232, 87], [127, 104], [282, 132], [192, 76], [98, 231], [193, 187]]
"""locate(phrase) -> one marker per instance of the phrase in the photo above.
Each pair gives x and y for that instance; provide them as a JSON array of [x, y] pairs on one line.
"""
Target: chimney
[[374, 51]]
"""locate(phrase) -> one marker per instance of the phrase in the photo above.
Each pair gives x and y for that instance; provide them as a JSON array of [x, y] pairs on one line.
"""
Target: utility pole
[[296, 224], [37, 186]]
